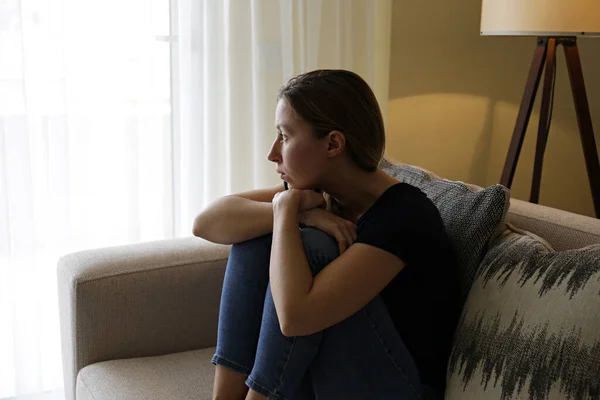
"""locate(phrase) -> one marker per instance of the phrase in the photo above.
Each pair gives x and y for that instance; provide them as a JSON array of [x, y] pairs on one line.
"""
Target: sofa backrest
[[562, 229]]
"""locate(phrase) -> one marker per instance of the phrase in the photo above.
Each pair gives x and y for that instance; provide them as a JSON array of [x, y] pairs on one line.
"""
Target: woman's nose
[[274, 155]]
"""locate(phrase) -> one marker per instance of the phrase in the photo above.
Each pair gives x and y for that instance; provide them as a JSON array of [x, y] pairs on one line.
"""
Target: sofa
[[140, 321]]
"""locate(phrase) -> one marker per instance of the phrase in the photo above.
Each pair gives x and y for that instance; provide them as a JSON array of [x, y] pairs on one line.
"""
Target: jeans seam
[[216, 359], [280, 381], [388, 353], [273, 394]]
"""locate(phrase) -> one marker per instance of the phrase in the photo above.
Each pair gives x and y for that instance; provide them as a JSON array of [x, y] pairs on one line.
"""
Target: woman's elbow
[[290, 330], [291, 325], [286, 329], [286, 322], [197, 229], [201, 229]]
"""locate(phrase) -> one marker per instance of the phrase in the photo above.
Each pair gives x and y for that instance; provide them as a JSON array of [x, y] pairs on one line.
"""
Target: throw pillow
[[530, 328], [471, 215]]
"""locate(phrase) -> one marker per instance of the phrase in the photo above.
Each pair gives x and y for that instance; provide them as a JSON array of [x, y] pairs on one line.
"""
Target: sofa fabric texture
[[531, 325], [471, 215], [563, 230], [139, 321], [180, 376], [138, 300]]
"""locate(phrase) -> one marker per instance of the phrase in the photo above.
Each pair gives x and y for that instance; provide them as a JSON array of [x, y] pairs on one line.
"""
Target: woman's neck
[[359, 194]]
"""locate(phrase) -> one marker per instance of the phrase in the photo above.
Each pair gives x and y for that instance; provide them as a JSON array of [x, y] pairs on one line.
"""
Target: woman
[[361, 301]]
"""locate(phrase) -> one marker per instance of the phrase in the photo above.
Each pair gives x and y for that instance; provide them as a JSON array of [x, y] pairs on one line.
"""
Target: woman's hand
[[310, 207], [342, 230], [298, 199]]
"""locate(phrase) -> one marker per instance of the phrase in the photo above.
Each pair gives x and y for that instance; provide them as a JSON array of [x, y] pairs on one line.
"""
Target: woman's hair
[[340, 100]]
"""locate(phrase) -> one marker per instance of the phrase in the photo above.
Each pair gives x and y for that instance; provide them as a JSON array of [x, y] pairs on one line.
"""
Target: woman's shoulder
[[404, 194], [403, 203]]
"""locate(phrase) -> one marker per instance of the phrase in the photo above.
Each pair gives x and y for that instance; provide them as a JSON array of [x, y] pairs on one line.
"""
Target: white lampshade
[[540, 17]]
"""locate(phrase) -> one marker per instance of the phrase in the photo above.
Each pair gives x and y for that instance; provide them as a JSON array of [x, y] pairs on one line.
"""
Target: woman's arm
[[237, 218], [233, 219], [290, 276], [305, 305]]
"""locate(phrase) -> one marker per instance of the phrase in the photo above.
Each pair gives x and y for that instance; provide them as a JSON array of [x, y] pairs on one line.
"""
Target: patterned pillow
[[471, 215], [530, 328]]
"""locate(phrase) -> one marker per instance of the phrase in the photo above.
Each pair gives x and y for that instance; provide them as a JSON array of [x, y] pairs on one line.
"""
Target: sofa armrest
[[138, 300], [562, 229]]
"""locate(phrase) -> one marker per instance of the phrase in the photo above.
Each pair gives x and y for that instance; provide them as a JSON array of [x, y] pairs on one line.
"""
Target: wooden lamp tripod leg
[[584, 119], [531, 88], [546, 52], [544, 125]]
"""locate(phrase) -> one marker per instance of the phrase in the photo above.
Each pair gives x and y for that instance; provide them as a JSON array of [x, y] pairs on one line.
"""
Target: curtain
[[85, 157], [232, 56], [121, 119]]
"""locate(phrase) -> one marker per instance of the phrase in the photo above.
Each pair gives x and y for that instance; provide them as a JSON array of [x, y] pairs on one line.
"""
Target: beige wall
[[454, 98]]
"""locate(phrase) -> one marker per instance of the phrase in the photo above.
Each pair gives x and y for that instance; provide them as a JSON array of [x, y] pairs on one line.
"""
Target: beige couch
[[140, 321]]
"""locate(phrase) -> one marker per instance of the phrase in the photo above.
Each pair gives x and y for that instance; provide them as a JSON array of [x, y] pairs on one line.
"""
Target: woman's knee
[[255, 244], [319, 247], [251, 259], [315, 239]]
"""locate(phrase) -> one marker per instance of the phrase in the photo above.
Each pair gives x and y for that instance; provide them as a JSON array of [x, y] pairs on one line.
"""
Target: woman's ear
[[336, 141]]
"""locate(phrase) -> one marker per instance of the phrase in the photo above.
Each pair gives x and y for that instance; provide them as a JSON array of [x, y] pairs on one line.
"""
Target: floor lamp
[[554, 23]]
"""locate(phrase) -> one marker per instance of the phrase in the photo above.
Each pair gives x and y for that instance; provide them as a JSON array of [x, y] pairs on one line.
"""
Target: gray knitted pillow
[[471, 215], [530, 328]]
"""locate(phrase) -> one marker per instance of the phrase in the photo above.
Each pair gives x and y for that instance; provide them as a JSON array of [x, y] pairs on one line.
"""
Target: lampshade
[[540, 17]]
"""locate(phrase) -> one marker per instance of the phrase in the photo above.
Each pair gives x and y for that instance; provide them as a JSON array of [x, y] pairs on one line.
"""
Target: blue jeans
[[362, 357]]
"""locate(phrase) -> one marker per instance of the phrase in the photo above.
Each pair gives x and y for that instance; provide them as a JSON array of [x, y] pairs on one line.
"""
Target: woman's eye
[[282, 137]]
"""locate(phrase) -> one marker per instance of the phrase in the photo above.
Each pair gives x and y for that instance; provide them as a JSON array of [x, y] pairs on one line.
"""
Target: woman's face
[[300, 157]]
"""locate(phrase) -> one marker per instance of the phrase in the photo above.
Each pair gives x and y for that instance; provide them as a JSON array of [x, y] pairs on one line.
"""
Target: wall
[[454, 99]]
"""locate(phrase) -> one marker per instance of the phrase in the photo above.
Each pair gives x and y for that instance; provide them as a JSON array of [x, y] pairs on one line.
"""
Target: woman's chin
[[298, 186]]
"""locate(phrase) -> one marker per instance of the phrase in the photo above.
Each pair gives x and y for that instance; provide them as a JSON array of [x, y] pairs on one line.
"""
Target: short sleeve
[[405, 224]]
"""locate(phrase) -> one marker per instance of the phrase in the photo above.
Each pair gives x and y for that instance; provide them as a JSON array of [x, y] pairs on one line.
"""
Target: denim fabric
[[362, 357]]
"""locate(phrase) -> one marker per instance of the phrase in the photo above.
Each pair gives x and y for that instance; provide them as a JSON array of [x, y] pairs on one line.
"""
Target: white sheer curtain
[[85, 157], [233, 56], [121, 119]]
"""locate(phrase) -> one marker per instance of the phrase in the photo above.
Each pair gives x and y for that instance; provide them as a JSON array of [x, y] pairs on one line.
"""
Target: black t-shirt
[[423, 298]]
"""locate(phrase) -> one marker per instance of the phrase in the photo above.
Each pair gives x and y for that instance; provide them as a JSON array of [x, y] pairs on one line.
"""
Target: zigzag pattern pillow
[[530, 328], [471, 215]]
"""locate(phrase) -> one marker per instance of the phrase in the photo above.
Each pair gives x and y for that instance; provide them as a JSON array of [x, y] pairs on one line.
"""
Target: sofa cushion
[[187, 375], [562, 229], [471, 215], [531, 325]]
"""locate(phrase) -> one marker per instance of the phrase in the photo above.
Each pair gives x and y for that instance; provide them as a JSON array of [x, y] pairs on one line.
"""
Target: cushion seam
[[87, 387], [550, 222], [459, 184], [159, 268]]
